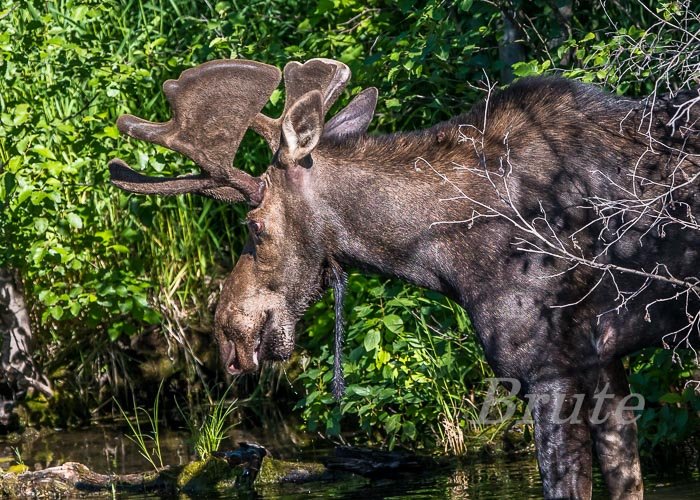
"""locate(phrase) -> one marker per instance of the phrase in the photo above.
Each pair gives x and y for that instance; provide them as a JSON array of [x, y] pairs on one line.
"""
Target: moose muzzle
[[239, 334]]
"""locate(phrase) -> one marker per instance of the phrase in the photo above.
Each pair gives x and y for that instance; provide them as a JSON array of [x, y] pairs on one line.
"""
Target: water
[[106, 449], [499, 479]]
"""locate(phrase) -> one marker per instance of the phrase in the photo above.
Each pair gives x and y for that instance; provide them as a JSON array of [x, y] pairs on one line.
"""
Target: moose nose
[[238, 360]]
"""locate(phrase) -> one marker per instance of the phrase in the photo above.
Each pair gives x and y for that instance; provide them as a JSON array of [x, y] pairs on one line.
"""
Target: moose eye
[[256, 227]]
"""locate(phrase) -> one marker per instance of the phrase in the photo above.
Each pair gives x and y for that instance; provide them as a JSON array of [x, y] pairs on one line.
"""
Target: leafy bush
[[672, 402], [412, 363]]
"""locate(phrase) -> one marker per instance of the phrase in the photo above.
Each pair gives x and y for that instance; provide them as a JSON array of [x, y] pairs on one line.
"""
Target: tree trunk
[[511, 49], [564, 13], [17, 369]]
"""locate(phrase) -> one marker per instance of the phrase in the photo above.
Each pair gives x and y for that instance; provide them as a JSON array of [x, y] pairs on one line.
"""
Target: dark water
[[107, 449]]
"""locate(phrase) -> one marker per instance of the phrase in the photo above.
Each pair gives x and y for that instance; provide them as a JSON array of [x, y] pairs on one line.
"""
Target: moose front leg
[[562, 439], [614, 431]]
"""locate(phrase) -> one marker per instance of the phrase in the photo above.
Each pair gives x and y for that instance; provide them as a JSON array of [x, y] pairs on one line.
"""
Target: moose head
[[286, 262]]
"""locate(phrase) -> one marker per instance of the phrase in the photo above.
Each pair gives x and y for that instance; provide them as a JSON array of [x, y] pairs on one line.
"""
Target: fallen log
[[71, 477], [242, 469]]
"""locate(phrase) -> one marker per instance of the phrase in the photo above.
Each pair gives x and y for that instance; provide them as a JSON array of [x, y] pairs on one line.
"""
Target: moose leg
[[614, 432], [562, 438]]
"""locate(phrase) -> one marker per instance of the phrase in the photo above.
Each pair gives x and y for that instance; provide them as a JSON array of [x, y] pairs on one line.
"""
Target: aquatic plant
[[18, 455], [208, 436], [151, 452], [19, 467]]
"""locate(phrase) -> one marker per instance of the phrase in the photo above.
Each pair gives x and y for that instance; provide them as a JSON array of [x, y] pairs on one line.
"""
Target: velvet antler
[[212, 107], [325, 75]]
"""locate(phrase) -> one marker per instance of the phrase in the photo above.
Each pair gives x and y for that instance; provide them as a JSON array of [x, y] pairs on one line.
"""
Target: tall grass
[[148, 443], [454, 396], [97, 261], [208, 434]]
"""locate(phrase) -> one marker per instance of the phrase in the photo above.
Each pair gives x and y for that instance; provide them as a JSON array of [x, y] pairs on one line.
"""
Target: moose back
[[561, 218]]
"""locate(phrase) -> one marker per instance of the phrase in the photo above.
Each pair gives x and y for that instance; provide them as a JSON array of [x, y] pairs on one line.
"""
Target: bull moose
[[560, 217]]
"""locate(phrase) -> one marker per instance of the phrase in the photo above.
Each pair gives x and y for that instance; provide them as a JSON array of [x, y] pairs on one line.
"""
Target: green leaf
[[41, 225], [525, 68], [21, 114], [465, 5], [115, 331], [74, 220], [8, 185], [152, 316], [409, 430], [392, 103], [44, 152], [393, 423], [382, 358], [56, 312], [358, 390], [25, 193], [111, 132], [372, 339], [671, 398], [119, 248], [393, 322], [105, 236], [47, 297], [75, 308]]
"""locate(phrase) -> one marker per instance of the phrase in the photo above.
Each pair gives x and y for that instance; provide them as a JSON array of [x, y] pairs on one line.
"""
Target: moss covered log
[[199, 477], [243, 469]]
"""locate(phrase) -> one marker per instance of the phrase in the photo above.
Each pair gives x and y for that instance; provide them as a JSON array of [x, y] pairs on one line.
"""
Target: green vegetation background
[[104, 270]]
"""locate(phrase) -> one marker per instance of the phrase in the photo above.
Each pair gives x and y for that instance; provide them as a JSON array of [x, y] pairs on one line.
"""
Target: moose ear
[[354, 118], [302, 126]]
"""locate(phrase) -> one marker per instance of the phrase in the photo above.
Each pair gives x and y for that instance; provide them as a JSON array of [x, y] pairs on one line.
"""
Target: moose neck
[[386, 202]]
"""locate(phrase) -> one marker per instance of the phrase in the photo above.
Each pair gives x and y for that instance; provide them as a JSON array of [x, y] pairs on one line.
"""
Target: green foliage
[[100, 265], [412, 362], [530, 68], [668, 382], [59, 225], [91, 256]]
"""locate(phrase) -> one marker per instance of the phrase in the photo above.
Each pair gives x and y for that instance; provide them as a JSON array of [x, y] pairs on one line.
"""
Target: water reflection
[[103, 449]]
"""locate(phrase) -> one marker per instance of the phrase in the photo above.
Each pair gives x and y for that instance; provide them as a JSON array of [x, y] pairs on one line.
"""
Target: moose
[[561, 218]]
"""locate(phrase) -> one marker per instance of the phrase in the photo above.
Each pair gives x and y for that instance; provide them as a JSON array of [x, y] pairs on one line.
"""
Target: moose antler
[[325, 75], [212, 107]]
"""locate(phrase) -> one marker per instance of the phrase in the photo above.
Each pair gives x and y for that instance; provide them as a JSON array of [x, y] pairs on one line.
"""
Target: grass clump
[[213, 427], [213, 430], [148, 444]]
